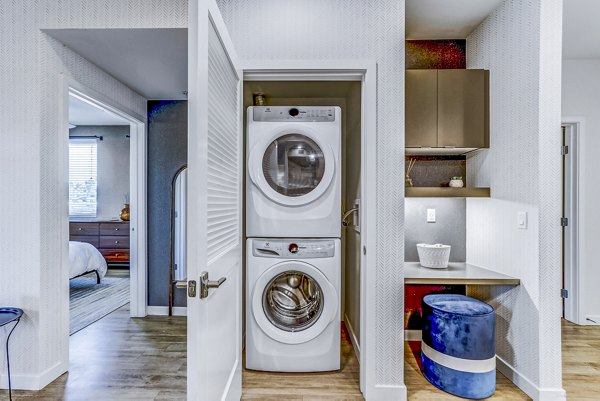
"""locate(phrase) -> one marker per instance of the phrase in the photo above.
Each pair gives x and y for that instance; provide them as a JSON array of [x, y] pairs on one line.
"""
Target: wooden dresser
[[110, 237]]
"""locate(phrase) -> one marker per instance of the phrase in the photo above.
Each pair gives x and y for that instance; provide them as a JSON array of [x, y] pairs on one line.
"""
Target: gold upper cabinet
[[447, 111]]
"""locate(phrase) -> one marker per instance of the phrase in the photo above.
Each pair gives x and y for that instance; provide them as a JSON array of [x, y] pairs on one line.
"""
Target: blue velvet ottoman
[[458, 349]]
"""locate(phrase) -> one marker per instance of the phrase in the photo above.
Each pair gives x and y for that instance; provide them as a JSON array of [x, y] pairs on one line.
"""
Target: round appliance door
[[292, 166], [293, 302]]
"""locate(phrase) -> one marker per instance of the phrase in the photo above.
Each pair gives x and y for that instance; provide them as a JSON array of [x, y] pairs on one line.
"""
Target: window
[[83, 182]]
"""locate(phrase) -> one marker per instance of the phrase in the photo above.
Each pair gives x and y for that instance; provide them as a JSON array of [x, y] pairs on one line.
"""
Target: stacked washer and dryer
[[293, 225]]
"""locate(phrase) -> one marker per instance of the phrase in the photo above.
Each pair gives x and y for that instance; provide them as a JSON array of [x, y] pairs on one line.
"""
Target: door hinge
[[564, 293], [564, 221], [564, 150]]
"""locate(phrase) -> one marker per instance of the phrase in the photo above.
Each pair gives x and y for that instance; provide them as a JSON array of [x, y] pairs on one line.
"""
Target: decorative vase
[[125, 212], [259, 99], [457, 182]]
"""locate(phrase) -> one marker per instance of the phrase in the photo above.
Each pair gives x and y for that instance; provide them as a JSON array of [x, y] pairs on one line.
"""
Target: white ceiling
[[152, 62], [581, 29], [446, 19], [84, 113]]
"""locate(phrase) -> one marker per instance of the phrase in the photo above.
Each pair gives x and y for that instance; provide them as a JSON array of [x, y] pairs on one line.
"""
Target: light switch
[[431, 215], [522, 220]]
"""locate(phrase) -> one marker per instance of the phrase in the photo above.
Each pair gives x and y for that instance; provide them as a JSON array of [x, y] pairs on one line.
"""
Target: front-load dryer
[[293, 305], [293, 182]]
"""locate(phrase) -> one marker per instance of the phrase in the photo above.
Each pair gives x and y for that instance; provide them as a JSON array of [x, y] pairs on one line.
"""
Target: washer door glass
[[293, 301], [293, 165]]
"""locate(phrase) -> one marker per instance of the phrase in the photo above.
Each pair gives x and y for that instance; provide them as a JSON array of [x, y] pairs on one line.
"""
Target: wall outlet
[[522, 220], [431, 215]]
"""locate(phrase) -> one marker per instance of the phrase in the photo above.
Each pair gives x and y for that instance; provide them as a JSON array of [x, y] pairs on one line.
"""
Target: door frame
[[572, 275], [137, 184], [347, 70]]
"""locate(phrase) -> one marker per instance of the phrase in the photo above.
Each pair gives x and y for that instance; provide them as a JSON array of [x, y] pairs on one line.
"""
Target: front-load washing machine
[[293, 305], [293, 185]]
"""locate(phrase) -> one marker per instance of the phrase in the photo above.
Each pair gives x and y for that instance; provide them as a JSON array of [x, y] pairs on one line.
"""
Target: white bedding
[[84, 258]]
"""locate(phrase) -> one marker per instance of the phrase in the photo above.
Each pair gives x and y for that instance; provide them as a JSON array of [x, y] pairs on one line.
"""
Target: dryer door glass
[[293, 301], [293, 165]]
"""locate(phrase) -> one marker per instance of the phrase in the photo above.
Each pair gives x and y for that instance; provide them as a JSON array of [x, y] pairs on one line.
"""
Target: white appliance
[[293, 304], [293, 186]]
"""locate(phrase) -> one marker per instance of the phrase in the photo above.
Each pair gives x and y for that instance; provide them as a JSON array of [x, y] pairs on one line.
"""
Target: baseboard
[[413, 335], [164, 311], [34, 382], [528, 387], [353, 337], [386, 393]]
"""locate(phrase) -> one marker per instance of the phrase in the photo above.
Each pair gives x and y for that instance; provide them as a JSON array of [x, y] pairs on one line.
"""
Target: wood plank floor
[[342, 385], [420, 389], [118, 358], [581, 361]]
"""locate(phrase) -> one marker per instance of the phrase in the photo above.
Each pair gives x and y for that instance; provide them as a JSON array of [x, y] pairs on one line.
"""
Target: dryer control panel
[[294, 113], [293, 248]]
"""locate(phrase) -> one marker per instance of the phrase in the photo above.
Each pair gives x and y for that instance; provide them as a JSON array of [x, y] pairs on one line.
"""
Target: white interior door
[[214, 208]]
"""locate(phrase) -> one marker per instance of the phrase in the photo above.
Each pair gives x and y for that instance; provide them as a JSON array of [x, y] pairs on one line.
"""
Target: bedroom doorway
[[104, 168]]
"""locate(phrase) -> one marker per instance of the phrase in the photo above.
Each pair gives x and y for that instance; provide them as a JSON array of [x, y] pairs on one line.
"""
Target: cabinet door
[[463, 107], [421, 108]]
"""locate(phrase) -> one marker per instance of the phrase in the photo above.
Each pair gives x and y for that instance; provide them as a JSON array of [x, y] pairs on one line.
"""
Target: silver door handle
[[206, 284]]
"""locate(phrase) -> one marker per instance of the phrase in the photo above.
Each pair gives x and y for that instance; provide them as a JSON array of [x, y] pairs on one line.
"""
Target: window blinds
[[83, 179]]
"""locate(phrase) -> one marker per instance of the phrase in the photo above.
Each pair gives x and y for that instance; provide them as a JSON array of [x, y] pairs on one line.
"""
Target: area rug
[[90, 302]]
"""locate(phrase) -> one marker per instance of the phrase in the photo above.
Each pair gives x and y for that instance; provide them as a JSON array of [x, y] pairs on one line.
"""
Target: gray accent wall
[[449, 228], [167, 152], [113, 166]]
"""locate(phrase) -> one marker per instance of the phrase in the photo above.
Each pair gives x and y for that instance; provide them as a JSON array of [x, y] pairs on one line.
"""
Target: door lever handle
[[206, 284]]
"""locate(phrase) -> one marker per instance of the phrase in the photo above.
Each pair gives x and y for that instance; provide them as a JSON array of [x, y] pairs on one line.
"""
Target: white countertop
[[456, 273]]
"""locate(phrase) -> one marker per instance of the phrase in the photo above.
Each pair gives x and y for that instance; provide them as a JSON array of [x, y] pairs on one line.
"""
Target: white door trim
[[138, 154], [347, 70], [573, 311]]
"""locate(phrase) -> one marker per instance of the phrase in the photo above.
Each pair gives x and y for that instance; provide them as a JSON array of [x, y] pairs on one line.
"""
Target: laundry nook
[[300, 200]]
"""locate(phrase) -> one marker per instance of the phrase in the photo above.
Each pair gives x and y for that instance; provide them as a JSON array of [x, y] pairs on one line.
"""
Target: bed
[[84, 258]]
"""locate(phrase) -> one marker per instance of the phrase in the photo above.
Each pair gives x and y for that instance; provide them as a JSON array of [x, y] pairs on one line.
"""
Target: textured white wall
[[31, 221], [580, 89], [357, 29], [521, 44], [495, 242]]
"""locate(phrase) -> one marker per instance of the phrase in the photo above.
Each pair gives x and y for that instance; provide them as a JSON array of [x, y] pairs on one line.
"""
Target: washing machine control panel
[[294, 113], [293, 249]]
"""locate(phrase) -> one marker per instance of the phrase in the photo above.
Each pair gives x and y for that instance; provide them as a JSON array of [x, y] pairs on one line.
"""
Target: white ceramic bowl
[[434, 256]]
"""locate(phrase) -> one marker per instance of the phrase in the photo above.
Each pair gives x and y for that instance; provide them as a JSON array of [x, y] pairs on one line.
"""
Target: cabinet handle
[[80, 229], [116, 242], [116, 255], [116, 229]]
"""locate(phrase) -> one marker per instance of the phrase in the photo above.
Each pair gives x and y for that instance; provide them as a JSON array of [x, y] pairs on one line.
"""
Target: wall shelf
[[455, 274], [446, 192]]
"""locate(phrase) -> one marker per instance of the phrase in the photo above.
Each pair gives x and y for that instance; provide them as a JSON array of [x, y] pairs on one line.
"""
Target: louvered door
[[214, 209]]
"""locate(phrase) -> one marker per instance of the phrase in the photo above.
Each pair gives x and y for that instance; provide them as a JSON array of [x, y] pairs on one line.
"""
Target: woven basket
[[434, 256]]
